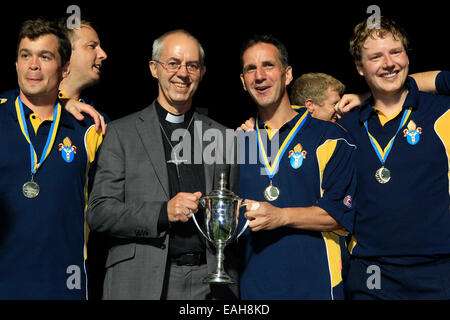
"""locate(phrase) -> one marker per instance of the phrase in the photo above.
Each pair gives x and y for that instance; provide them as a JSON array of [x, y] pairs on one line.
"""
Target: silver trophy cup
[[221, 221]]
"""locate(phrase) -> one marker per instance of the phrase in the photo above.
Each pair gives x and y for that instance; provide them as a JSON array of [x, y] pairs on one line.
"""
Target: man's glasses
[[174, 66]]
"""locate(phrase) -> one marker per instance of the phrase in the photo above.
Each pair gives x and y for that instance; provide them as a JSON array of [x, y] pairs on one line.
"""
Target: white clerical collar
[[174, 119]]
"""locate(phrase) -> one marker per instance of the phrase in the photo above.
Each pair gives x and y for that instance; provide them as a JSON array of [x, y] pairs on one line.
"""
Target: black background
[[315, 33]]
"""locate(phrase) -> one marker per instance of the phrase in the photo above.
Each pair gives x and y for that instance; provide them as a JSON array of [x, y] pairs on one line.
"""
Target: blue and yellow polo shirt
[[406, 220], [316, 169], [43, 240]]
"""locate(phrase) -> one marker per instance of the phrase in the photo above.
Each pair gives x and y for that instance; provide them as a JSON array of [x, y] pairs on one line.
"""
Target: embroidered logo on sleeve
[[348, 201]]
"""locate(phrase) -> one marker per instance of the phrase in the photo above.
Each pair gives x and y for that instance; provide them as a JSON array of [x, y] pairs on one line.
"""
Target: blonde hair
[[314, 86], [70, 33]]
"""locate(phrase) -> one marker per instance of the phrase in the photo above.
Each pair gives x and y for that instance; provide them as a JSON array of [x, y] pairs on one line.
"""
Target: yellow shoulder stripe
[[324, 153], [442, 128], [93, 140]]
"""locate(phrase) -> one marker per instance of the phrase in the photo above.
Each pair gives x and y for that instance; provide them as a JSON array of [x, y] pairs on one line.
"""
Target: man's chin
[[33, 93], [181, 104], [93, 81]]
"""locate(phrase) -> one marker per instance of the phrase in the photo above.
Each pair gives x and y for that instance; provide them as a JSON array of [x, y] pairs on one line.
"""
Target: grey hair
[[158, 43]]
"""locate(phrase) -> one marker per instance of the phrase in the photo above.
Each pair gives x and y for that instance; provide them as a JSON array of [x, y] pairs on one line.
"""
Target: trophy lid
[[222, 191]]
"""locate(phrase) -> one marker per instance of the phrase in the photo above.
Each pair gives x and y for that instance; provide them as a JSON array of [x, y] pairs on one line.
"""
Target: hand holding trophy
[[221, 221]]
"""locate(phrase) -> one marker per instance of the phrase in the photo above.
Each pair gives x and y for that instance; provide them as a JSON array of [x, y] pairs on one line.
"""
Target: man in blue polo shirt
[[86, 63], [46, 157], [401, 243], [303, 187]]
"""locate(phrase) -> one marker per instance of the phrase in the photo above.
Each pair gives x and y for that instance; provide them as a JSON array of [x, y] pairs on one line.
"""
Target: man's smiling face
[[264, 76]]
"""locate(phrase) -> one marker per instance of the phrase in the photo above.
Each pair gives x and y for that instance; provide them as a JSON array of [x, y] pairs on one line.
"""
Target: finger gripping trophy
[[221, 222]]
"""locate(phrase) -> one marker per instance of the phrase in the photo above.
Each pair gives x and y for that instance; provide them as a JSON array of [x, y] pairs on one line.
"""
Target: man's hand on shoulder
[[350, 101], [77, 108]]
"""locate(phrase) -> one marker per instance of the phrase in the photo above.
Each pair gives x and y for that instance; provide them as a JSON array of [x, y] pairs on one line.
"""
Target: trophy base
[[218, 279]]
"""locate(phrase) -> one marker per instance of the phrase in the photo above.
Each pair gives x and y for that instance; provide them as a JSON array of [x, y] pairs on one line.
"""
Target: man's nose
[[34, 63], [388, 62], [102, 53], [182, 71], [260, 74]]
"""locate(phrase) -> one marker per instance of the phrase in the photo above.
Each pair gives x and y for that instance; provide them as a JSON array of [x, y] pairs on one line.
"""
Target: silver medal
[[30, 189], [271, 193], [383, 175]]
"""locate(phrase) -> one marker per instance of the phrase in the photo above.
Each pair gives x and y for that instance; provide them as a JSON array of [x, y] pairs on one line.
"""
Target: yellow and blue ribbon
[[272, 169], [383, 153], [50, 139]]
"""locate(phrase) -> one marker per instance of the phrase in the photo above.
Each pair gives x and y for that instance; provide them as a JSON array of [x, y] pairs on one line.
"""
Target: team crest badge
[[296, 156], [68, 151], [413, 133], [348, 201]]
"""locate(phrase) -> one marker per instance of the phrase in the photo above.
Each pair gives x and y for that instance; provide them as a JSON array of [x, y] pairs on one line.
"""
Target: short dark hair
[[33, 29], [266, 38]]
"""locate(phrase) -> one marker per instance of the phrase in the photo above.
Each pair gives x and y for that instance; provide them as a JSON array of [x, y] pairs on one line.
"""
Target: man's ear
[[202, 72], [243, 82], [152, 66], [309, 104], [66, 70], [289, 76], [359, 68]]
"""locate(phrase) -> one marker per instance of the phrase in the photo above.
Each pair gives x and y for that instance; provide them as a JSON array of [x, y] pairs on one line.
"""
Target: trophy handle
[[243, 204], [202, 203]]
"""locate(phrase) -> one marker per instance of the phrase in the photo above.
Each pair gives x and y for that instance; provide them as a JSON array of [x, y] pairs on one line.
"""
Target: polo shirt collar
[[62, 95], [290, 124], [66, 119], [411, 101]]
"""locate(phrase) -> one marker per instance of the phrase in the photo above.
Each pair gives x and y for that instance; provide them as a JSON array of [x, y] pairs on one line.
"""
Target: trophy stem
[[220, 276], [220, 258]]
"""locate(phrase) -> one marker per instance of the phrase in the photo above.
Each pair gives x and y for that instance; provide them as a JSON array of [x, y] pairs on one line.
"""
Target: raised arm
[[426, 81]]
